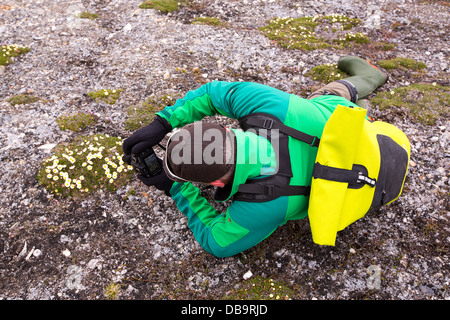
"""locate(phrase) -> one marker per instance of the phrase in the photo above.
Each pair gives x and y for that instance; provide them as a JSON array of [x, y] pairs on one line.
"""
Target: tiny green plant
[[402, 63], [164, 6], [88, 15], [261, 288], [140, 116], [109, 96], [9, 52], [87, 164], [76, 122], [22, 99], [385, 46], [211, 21], [112, 291], [326, 73], [424, 103]]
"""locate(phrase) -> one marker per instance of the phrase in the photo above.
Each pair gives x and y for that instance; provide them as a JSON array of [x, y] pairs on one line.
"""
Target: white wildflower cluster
[[355, 36], [105, 92], [276, 292], [336, 18], [8, 52], [300, 33], [88, 163], [291, 29], [273, 288], [333, 18]]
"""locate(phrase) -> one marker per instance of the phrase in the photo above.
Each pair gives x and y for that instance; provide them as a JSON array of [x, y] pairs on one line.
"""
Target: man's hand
[[160, 181], [146, 137]]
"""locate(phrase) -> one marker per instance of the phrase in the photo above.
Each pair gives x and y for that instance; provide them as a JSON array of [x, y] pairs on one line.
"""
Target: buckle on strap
[[315, 142], [367, 180], [268, 124], [269, 190]]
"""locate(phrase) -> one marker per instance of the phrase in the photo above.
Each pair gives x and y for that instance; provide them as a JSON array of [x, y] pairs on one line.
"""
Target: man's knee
[[340, 88]]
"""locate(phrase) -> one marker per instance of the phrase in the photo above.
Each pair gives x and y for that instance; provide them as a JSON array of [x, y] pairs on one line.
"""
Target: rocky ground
[[105, 246]]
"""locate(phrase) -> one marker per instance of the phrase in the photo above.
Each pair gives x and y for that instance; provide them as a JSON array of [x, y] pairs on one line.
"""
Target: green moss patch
[[9, 52], [76, 122], [302, 33], [402, 63], [109, 96], [261, 288], [22, 99], [88, 15], [326, 73], [211, 21], [140, 116], [164, 6], [87, 164], [351, 38], [383, 46], [424, 103]]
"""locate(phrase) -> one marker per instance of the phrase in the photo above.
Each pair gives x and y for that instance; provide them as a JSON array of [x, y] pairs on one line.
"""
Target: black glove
[[160, 181], [146, 137]]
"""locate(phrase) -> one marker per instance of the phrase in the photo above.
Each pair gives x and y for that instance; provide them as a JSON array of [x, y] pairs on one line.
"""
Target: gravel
[[53, 248]]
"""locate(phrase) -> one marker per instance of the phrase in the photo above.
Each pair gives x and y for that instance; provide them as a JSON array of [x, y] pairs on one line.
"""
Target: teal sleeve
[[225, 234], [231, 99]]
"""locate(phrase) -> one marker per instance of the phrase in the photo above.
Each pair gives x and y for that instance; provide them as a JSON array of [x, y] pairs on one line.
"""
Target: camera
[[146, 163]]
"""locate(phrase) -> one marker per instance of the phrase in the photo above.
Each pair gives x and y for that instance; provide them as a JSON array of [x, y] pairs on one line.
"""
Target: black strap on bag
[[356, 178], [261, 121]]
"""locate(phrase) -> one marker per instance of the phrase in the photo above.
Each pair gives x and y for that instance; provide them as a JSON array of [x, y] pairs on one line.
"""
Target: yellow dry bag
[[360, 166]]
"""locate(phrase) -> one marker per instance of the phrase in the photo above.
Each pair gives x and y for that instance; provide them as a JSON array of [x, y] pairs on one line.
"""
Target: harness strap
[[352, 177], [274, 190], [272, 187], [313, 141]]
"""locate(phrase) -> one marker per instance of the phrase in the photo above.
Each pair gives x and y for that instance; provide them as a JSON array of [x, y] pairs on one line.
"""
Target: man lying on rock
[[237, 161]]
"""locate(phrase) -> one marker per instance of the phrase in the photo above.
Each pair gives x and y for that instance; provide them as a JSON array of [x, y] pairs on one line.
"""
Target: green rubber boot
[[363, 75]]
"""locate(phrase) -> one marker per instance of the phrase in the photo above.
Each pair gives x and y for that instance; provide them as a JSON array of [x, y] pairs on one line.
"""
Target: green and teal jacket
[[245, 224]]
